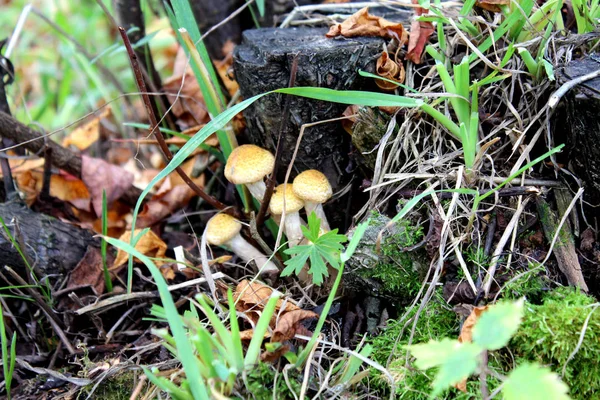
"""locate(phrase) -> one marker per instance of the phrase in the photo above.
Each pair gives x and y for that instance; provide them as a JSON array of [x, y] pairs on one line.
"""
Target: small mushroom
[[292, 205], [248, 165], [313, 187], [224, 230]]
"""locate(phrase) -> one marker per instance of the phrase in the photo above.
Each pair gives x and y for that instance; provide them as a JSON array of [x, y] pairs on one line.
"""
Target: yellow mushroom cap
[[221, 228], [313, 186], [292, 202], [248, 164]]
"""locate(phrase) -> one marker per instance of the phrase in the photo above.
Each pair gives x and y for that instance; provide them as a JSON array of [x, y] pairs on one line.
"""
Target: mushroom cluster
[[249, 165]]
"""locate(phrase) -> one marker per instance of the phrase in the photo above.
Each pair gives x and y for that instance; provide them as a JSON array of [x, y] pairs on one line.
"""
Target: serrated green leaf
[[498, 324], [456, 361], [534, 382], [320, 251]]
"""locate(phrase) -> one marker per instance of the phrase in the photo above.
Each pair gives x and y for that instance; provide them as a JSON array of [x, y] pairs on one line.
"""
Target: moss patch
[[550, 333]]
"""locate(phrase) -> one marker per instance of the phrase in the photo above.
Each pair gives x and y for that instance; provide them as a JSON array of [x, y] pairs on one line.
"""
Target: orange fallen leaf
[[466, 336], [149, 245], [63, 186], [389, 69], [348, 123], [87, 134], [99, 176], [362, 23], [224, 68]]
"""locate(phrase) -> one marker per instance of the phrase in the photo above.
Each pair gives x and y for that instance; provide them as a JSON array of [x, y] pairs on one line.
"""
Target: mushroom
[[248, 165], [313, 187], [224, 230], [284, 198]]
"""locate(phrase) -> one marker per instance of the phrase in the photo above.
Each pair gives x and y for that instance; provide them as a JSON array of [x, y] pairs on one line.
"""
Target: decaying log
[[262, 63], [54, 247], [564, 248]]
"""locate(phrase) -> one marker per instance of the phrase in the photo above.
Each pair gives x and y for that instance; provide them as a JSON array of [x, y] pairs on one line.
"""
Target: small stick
[[154, 126], [271, 180]]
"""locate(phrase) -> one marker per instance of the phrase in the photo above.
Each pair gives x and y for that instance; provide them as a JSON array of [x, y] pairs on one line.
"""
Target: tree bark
[[61, 158], [54, 247]]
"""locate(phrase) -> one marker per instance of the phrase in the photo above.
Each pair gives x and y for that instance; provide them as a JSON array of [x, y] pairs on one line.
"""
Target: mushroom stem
[[257, 189], [311, 206], [293, 228], [248, 253]]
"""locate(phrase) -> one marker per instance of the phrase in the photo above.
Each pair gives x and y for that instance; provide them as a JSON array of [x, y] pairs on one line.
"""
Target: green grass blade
[[107, 280], [253, 352], [235, 333], [260, 4], [185, 350]]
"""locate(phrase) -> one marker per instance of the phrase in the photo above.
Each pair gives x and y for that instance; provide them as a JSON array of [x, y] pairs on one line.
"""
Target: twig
[[157, 133], [278, 152]]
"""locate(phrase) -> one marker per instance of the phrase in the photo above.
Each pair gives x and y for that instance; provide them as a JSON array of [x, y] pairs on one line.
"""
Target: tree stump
[[262, 63], [581, 124]]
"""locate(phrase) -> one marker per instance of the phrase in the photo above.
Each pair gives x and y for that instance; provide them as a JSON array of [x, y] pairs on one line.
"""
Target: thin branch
[[154, 126]]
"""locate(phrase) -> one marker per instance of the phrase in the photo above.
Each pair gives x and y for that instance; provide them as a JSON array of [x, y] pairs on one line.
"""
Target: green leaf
[[533, 382], [498, 324], [456, 361], [322, 250]]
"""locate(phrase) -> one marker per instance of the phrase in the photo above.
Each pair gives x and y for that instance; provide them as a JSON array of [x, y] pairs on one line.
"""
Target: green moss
[[550, 333], [531, 285], [435, 322], [118, 387], [261, 380], [398, 270]]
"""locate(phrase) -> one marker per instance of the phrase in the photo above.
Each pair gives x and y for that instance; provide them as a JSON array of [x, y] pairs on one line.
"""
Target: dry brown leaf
[[363, 24], [87, 134], [89, 271], [273, 356], [149, 245], [289, 324], [389, 69], [99, 176], [164, 204], [348, 123], [492, 5], [254, 295], [420, 31], [187, 100], [249, 333], [466, 336]]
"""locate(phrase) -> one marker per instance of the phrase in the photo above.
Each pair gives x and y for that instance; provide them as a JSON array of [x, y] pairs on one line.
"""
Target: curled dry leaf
[[389, 69], [99, 176], [466, 336], [87, 134], [362, 23], [150, 245], [348, 123], [289, 324]]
